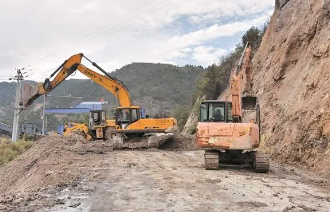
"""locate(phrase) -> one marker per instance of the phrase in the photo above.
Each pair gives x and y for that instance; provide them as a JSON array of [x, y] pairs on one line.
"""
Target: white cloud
[[207, 55], [118, 32], [214, 31]]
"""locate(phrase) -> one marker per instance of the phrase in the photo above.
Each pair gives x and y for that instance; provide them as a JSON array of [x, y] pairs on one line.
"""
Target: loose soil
[[71, 175]]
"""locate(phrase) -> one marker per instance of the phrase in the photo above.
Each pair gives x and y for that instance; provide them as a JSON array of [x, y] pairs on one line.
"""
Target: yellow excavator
[[131, 121]]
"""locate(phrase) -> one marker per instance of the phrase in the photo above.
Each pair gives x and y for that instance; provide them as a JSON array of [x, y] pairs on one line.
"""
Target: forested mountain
[[160, 88]]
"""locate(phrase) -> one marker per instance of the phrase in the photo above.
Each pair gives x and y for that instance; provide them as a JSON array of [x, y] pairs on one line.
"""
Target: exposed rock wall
[[190, 126], [291, 77]]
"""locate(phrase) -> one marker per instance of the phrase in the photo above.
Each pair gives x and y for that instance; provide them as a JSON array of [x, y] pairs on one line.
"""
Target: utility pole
[[19, 77]]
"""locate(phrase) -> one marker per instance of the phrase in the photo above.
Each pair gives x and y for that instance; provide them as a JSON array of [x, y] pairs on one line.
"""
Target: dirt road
[[176, 181], [71, 175]]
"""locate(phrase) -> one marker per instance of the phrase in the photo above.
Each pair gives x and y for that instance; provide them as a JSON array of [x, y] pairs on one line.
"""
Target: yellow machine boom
[[113, 85], [129, 118]]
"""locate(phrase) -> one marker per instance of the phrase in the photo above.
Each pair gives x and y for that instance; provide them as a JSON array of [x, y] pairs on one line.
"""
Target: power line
[[93, 32], [136, 15], [122, 23], [126, 25], [113, 21]]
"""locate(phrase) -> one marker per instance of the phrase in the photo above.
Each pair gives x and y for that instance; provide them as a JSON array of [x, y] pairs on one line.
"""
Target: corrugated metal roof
[[90, 105], [67, 110], [6, 127], [96, 103], [83, 107]]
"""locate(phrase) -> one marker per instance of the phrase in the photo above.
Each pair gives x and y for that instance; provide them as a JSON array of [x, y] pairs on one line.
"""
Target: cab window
[[203, 113], [123, 115], [217, 112], [134, 115]]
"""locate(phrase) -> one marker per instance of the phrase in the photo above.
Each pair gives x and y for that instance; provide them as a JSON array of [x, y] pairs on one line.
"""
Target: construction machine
[[70, 128], [131, 121], [225, 134]]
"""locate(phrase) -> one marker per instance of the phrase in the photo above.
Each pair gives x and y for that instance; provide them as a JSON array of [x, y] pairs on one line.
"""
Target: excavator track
[[260, 162], [122, 141], [211, 159]]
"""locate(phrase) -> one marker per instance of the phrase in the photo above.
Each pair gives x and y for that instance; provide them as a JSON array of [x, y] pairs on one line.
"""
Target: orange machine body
[[229, 133], [227, 136]]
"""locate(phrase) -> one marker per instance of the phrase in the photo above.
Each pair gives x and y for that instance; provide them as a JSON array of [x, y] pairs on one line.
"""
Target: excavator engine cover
[[249, 102]]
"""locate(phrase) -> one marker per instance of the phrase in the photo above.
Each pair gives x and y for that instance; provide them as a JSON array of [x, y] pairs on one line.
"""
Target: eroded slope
[[291, 76]]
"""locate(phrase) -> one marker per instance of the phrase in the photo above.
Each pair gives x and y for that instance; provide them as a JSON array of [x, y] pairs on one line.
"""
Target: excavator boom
[[117, 89], [113, 85], [240, 75]]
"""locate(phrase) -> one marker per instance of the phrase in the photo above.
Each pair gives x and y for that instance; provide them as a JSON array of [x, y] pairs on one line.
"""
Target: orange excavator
[[131, 121], [228, 139]]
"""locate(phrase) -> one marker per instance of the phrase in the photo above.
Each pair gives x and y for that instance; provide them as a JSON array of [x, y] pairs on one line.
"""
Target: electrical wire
[[105, 26], [122, 23], [113, 32], [126, 26]]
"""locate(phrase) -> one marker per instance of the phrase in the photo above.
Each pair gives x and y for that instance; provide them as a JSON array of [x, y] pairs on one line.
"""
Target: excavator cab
[[127, 115], [215, 111]]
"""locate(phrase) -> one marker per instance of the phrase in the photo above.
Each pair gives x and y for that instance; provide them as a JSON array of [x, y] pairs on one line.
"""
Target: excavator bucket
[[249, 102], [28, 94]]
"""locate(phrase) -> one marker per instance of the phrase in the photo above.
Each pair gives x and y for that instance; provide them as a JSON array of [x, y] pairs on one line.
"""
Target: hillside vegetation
[[160, 88]]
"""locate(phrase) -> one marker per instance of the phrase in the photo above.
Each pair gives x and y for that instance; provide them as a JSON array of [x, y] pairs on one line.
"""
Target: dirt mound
[[179, 142], [168, 141], [45, 166], [42, 165], [291, 79], [54, 163]]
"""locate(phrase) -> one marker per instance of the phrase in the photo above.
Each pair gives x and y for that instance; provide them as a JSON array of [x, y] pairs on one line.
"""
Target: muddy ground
[[61, 175]]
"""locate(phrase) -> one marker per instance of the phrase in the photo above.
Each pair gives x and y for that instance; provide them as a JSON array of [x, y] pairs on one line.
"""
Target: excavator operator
[[217, 116]]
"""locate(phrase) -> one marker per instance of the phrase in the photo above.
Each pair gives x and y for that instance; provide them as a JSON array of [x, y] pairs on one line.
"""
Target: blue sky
[[118, 32]]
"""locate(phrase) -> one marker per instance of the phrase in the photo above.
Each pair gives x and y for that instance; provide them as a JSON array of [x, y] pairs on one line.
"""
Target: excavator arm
[[113, 85], [241, 82]]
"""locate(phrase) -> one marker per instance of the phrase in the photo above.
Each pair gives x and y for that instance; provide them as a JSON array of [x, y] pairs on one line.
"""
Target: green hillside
[[160, 88]]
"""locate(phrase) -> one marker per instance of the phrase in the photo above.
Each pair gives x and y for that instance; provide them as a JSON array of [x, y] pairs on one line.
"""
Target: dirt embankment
[[45, 166], [55, 163], [291, 77]]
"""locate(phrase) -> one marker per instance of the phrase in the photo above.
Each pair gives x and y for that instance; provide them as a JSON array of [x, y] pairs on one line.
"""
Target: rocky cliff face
[[291, 77]]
